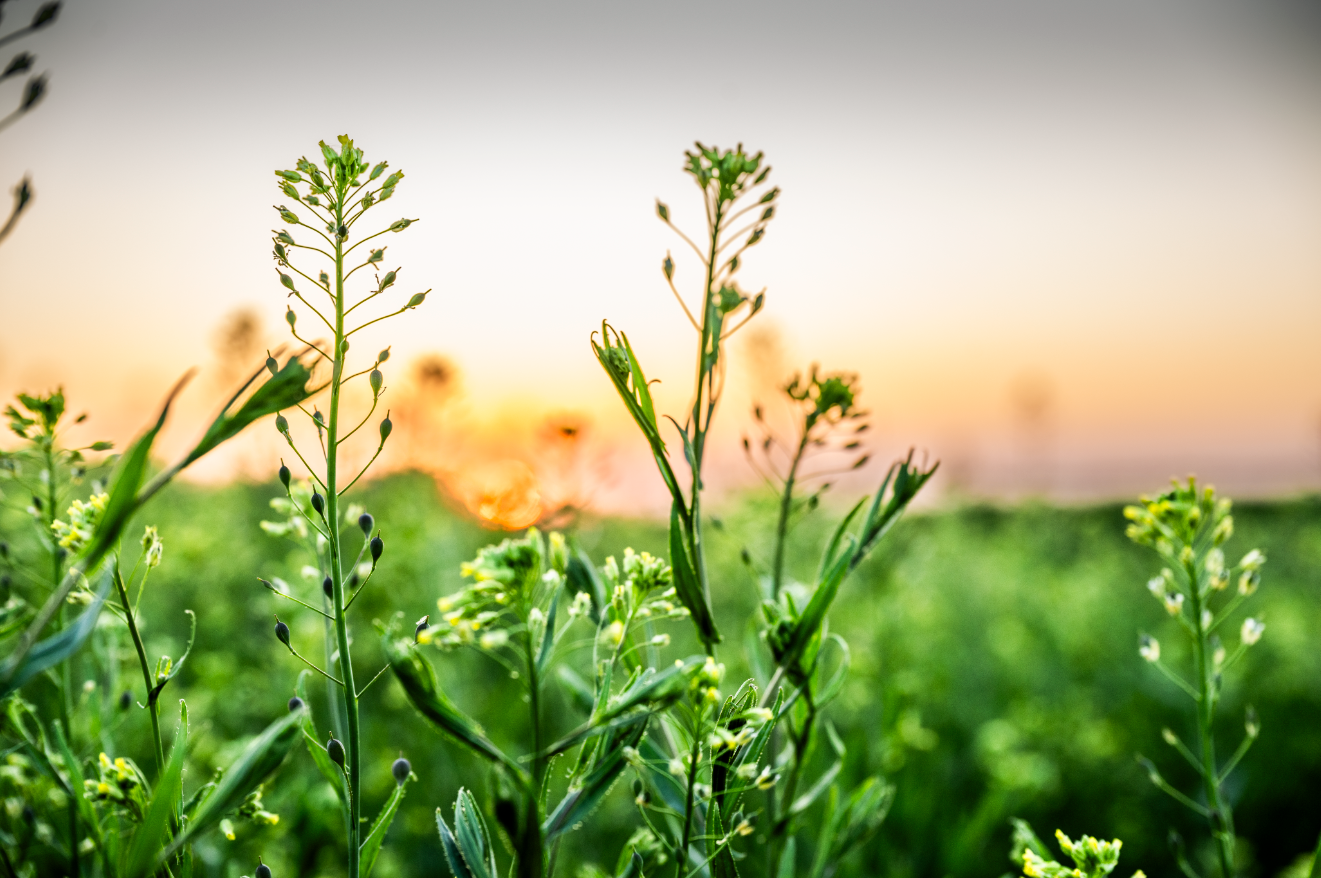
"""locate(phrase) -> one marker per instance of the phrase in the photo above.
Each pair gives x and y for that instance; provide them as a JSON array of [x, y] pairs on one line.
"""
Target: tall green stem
[[531, 865], [353, 744], [782, 524], [66, 667], [1222, 823], [146, 671], [681, 859]]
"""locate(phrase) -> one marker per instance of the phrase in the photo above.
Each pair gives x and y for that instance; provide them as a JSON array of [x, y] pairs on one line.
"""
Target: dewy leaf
[[474, 841], [285, 389], [371, 845], [261, 757], [57, 647], [419, 681], [141, 856], [586, 793], [686, 584]]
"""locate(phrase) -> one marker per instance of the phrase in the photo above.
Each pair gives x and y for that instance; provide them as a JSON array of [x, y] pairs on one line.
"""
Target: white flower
[[494, 639], [1149, 648], [1156, 585], [1253, 560], [1251, 631], [747, 771], [613, 633], [661, 640], [581, 606], [1207, 619], [1174, 604], [309, 572], [677, 768]]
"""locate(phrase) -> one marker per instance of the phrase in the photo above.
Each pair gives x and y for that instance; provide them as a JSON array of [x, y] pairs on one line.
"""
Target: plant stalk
[[1222, 823], [782, 524], [353, 744]]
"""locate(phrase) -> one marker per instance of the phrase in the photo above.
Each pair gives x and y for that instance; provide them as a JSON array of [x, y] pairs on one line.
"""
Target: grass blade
[[141, 858]]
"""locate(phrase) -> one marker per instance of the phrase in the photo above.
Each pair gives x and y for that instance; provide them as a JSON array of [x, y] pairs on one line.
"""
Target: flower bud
[[284, 476], [1149, 648], [387, 426], [366, 523], [328, 586], [422, 625], [282, 632], [263, 870], [318, 503], [295, 703], [376, 379], [282, 424], [335, 750], [401, 769], [1251, 631]]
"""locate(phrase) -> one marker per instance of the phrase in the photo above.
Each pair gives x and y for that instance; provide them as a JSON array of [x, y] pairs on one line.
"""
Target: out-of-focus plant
[[33, 91], [1187, 526], [131, 825], [336, 194]]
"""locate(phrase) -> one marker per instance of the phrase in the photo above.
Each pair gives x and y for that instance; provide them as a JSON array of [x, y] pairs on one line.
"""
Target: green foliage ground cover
[[995, 673]]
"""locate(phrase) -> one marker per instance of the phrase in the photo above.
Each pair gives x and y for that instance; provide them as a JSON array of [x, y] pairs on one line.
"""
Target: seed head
[[285, 476], [387, 426], [295, 703], [401, 769], [263, 870], [282, 424], [377, 548], [328, 587], [335, 750], [318, 502], [366, 523], [377, 380], [282, 632]]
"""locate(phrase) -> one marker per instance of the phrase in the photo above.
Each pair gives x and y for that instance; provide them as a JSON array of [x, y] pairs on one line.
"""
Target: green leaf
[[451, 847], [261, 757], [548, 636], [751, 754], [586, 793], [418, 678], [722, 857], [468, 849], [634, 867], [830, 691], [583, 576], [333, 774], [86, 810], [803, 802], [285, 389], [787, 859], [56, 648], [687, 586], [141, 858], [371, 845]]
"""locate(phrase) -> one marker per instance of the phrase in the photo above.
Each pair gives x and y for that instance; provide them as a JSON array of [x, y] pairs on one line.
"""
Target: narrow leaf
[[371, 845], [58, 647], [150, 836]]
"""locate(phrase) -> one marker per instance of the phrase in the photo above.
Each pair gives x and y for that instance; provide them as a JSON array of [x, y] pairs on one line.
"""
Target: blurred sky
[[1071, 247]]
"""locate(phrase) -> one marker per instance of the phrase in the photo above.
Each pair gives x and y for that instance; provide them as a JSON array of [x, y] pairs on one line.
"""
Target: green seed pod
[[378, 170], [325, 280], [291, 176], [377, 255], [399, 225], [354, 579], [422, 625], [342, 232], [318, 503], [287, 215], [366, 523], [376, 379], [295, 703], [401, 769], [388, 280], [288, 189], [282, 632], [335, 750], [662, 211], [289, 316], [125, 700], [418, 299], [282, 424], [378, 546], [263, 870], [284, 237], [280, 253], [4, 549], [284, 476], [383, 356], [387, 426], [271, 365], [286, 280], [668, 267]]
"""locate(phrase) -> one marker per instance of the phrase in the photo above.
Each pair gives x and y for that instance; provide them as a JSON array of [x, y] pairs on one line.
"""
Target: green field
[[994, 674]]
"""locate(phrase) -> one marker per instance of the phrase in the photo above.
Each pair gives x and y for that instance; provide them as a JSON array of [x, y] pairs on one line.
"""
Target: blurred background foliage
[[995, 674]]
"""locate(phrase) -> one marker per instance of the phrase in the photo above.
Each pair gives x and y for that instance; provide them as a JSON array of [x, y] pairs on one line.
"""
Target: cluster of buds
[[1173, 521], [503, 593], [77, 532], [706, 682], [152, 547], [1092, 858], [120, 784], [639, 588]]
